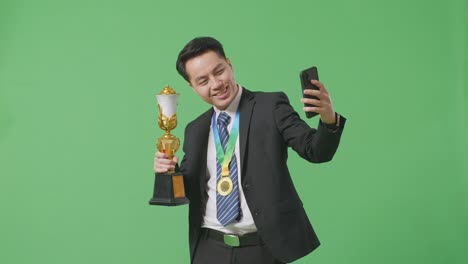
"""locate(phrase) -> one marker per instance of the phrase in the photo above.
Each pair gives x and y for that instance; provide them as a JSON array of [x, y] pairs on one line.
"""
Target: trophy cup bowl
[[168, 187]]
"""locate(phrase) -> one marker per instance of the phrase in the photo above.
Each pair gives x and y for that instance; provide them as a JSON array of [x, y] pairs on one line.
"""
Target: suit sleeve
[[315, 145], [183, 168]]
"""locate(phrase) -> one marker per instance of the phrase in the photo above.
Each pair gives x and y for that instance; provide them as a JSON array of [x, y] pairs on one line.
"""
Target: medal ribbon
[[225, 158]]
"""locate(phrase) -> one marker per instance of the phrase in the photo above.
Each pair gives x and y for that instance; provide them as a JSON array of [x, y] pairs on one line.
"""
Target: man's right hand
[[162, 163]]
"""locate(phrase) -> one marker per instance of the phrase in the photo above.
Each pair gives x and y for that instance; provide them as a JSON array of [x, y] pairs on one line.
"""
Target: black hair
[[194, 48]]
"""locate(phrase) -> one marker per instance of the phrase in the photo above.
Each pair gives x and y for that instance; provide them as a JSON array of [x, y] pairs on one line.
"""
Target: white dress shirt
[[246, 223]]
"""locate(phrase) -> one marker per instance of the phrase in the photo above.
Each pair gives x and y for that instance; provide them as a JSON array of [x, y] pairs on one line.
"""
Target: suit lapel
[[246, 106]]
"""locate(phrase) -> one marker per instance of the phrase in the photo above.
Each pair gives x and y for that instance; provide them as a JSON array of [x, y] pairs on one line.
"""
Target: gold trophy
[[168, 187]]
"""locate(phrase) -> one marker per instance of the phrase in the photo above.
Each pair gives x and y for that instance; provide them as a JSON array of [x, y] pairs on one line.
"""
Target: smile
[[221, 93]]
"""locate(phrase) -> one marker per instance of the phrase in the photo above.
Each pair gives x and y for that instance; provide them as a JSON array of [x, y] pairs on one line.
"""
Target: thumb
[[175, 159]]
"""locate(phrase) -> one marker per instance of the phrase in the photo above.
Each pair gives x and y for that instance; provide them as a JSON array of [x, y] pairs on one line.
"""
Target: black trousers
[[214, 252]]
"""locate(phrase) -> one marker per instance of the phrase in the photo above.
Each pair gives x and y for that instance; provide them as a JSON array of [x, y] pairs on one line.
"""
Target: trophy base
[[169, 202], [169, 190]]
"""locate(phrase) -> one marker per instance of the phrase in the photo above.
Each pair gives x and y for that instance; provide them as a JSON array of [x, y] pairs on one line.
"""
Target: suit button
[[246, 186], [257, 212]]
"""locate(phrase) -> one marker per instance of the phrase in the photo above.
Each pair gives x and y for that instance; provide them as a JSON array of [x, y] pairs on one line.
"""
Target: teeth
[[221, 92]]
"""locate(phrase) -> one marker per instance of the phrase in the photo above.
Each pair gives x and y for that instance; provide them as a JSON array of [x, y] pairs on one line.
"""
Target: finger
[[161, 168], [175, 159], [319, 94], [167, 166], [319, 85], [164, 161], [322, 102], [314, 102], [313, 109], [311, 92], [160, 155]]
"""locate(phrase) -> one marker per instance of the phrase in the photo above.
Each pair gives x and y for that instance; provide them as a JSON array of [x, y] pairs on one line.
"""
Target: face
[[212, 78]]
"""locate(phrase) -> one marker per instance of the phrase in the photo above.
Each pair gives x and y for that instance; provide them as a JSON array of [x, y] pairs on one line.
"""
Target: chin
[[222, 107], [222, 104]]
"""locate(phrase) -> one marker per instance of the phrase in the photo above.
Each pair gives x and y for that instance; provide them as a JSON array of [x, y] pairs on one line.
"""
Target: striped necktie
[[228, 207]]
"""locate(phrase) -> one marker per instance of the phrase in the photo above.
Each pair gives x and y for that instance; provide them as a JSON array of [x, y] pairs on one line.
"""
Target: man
[[243, 204]]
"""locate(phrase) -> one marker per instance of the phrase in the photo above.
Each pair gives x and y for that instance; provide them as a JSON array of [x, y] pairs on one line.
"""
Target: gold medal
[[224, 186]]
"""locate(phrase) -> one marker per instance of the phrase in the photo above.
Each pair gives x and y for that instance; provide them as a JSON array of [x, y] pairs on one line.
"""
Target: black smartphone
[[306, 76]]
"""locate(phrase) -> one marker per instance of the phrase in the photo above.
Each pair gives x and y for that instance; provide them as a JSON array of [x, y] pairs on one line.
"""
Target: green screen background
[[78, 123]]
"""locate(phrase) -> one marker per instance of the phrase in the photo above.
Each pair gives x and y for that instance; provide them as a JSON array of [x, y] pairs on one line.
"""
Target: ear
[[191, 86], [229, 63]]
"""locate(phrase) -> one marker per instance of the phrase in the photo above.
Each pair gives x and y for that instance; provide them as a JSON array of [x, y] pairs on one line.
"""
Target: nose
[[217, 84]]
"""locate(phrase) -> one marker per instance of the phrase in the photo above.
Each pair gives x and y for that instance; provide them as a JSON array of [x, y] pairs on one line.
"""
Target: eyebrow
[[204, 76]]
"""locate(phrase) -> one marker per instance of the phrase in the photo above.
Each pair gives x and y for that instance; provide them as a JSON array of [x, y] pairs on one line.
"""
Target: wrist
[[333, 127], [331, 121]]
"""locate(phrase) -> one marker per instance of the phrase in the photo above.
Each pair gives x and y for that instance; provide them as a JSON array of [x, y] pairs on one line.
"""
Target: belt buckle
[[231, 240]]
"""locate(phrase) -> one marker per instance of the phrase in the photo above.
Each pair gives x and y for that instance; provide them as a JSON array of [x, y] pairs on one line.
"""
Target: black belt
[[250, 239]]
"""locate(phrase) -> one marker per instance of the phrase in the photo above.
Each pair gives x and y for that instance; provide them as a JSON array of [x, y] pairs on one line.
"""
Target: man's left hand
[[323, 106]]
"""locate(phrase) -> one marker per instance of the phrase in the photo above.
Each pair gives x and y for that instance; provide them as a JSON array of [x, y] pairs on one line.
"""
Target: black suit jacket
[[268, 126]]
